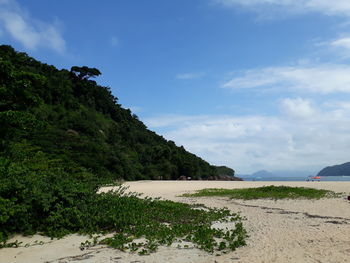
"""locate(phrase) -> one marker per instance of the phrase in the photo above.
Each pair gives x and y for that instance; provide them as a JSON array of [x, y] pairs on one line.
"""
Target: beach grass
[[163, 222], [131, 218], [266, 192]]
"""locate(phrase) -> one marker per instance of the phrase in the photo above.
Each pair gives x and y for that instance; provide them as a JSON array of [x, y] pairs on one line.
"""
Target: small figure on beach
[[313, 178]]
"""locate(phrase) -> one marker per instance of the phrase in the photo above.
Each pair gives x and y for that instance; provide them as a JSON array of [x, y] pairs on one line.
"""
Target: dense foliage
[[269, 192], [82, 123], [224, 170], [42, 195]]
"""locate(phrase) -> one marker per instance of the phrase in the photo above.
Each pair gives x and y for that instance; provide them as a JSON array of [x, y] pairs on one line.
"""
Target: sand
[[280, 231]]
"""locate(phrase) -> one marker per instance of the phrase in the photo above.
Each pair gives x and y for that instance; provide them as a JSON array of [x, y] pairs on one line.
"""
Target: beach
[[279, 231]]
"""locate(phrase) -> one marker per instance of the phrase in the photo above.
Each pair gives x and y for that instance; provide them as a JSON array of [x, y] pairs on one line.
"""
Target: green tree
[[85, 72]]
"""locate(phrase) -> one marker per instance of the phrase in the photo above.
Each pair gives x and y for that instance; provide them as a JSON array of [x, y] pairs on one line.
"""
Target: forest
[[69, 117]]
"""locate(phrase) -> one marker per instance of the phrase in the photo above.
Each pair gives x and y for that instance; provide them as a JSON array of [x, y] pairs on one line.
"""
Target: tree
[[85, 72]]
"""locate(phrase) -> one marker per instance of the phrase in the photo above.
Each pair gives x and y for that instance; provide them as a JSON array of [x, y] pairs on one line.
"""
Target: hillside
[[81, 123], [336, 170], [262, 173], [225, 173]]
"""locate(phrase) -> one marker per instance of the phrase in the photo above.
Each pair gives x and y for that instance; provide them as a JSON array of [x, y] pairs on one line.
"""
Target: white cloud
[[342, 42], [251, 143], [298, 108], [190, 75], [325, 79], [340, 105], [340, 47], [326, 7], [29, 32]]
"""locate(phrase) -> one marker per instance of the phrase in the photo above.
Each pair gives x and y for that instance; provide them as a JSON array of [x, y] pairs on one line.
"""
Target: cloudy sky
[[252, 84]]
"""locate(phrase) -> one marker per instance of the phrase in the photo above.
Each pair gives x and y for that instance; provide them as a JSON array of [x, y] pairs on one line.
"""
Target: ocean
[[299, 178]]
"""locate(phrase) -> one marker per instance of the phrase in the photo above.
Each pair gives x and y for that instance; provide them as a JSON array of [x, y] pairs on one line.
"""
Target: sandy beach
[[279, 231]]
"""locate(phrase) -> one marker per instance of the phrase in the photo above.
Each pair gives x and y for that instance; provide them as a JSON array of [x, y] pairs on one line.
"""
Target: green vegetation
[[62, 137], [42, 195], [81, 122], [224, 170], [271, 192]]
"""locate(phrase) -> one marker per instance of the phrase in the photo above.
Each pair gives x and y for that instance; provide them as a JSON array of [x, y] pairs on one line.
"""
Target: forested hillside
[[69, 117], [336, 170]]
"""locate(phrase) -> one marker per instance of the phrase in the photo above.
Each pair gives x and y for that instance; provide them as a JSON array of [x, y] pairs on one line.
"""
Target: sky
[[251, 84]]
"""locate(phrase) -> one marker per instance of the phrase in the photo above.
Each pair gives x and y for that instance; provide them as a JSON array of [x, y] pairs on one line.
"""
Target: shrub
[[38, 194]]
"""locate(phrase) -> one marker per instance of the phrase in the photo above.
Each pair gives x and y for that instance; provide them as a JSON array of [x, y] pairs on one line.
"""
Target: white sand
[[280, 231]]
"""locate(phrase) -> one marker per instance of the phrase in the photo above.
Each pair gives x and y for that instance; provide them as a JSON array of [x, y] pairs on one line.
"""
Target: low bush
[[42, 195], [272, 192]]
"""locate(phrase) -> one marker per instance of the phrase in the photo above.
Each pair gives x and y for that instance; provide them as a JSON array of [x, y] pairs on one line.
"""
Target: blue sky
[[251, 84]]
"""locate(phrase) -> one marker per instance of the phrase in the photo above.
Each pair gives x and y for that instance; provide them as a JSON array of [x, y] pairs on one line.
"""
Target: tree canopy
[[85, 72]]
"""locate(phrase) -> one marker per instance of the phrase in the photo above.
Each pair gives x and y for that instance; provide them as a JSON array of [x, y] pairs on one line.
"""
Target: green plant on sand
[[271, 192], [41, 195]]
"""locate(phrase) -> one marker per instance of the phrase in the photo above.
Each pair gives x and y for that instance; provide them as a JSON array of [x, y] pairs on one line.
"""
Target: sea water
[[299, 178]]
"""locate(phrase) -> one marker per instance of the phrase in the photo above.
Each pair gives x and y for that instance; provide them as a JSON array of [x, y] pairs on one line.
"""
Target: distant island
[[263, 173], [336, 170], [276, 174]]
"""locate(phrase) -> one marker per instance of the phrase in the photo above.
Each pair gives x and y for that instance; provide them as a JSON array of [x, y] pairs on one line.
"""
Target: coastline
[[280, 231]]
